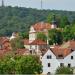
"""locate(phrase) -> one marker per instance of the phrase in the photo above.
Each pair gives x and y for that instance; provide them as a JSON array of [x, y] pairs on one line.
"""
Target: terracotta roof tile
[[61, 52], [38, 42], [22, 52], [69, 44], [26, 41], [42, 26]]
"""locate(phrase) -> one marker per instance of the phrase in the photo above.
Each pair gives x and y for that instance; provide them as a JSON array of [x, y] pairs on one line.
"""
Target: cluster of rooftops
[[60, 51]]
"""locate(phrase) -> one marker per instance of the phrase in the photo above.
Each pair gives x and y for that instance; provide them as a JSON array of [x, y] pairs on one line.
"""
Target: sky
[[47, 4]]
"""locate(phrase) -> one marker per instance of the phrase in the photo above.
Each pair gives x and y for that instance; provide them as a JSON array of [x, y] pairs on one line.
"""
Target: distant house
[[14, 35], [35, 46], [5, 46], [40, 27], [22, 52], [56, 57]]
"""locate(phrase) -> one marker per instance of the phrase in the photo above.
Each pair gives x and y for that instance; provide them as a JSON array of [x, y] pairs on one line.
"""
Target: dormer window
[[49, 57], [60, 55]]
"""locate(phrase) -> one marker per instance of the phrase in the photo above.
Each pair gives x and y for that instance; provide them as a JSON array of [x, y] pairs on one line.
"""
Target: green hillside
[[20, 19]]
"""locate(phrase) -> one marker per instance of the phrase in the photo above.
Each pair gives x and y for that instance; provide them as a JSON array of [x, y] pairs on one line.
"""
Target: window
[[49, 56], [61, 64], [71, 57], [49, 65], [48, 73], [69, 65], [72, 50], [60, 55]]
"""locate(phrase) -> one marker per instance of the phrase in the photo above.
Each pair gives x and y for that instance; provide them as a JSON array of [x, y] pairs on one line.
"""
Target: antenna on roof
[[41, 4], [2, 3]]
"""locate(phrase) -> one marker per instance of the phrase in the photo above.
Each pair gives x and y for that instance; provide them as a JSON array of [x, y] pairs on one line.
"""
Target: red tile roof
[[38, 42], [3, 40], [3, 52], [41, 26], [26, 41], [35, 42], [5, 43], [61, 52], [22, 52], [69, 44]]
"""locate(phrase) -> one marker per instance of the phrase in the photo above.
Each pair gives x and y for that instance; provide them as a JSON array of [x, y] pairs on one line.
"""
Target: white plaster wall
[[68, 60], [54, 63], [27, 46], [32, 34], [53, 26]]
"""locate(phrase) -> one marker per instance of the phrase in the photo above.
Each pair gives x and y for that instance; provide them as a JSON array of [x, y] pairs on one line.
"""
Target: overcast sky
[[47, 4]]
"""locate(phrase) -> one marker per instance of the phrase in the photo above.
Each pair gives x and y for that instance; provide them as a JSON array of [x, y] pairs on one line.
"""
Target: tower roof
[[54, 20]]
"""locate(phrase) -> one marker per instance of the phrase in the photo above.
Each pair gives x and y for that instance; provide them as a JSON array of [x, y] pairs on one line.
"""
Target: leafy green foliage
[[29, 65], [20, 65], [55, 36], [41, 36], [64, 70], [20, 19], [24, 35], [17, 43]]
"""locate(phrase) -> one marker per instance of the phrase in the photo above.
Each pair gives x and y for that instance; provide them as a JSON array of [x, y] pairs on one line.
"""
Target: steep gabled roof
[[61, 52]]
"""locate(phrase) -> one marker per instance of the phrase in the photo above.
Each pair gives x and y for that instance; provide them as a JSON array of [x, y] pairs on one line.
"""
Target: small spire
[[54, 20]]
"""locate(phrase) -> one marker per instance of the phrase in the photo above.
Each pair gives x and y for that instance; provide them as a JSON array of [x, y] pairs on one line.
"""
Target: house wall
[[67, 60], [32, 34], [27, 46], [54, 63]]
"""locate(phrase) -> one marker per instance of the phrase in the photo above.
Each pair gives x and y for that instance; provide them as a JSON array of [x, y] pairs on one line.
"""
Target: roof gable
[[49, 52]]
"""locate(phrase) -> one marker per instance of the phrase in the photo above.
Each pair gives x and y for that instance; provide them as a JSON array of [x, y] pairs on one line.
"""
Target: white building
[[14, 35], [56, 57], [33, 43], [35, 46], [40, 27]]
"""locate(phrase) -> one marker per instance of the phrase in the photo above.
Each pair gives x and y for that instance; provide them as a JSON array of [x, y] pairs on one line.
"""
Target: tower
[[2, 3], [54, 22]]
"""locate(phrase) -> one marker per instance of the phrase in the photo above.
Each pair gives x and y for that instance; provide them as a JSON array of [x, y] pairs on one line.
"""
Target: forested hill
[[20, 18]]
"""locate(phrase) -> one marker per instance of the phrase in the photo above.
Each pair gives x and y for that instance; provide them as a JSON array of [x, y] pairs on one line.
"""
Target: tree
[[24, 35], [49, 18], [20, 65], [41, 36], [67, 34], [64, 70], [29, 65], [64, 21], [55, 36], [7, 66], [16, 43]]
